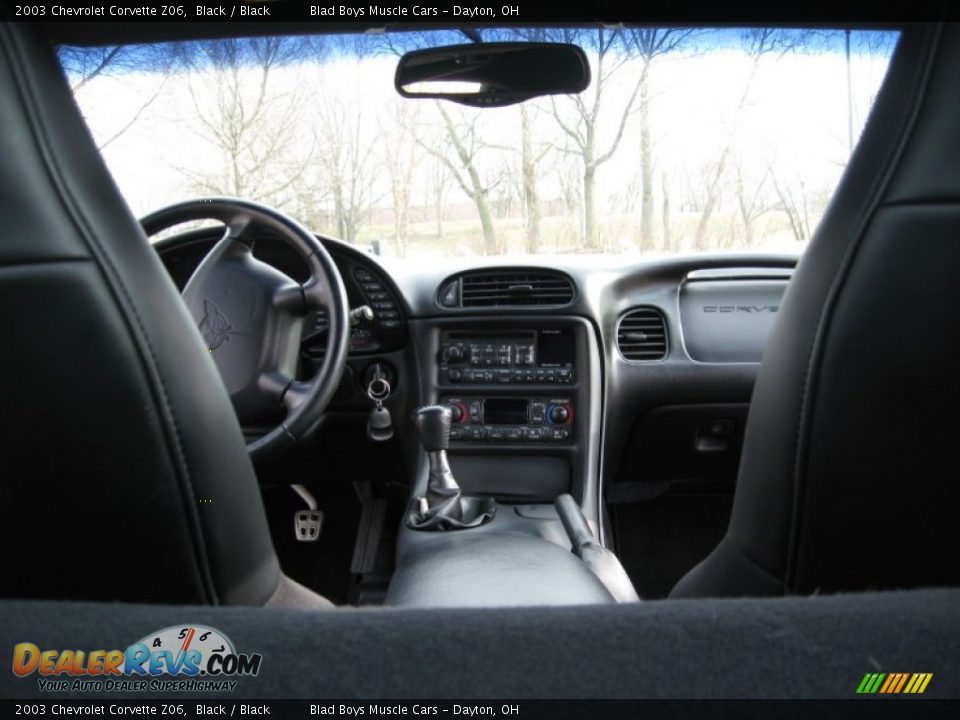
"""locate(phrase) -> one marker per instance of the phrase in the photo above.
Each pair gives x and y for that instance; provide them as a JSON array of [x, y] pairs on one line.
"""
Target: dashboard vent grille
[[515, 288], [642, 334]]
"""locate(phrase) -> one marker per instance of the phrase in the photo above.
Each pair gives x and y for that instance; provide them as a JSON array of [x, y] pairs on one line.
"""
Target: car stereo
[[529, 357]]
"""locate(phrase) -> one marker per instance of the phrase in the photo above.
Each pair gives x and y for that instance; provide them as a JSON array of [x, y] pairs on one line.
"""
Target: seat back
[[123, 470], [848, 478]]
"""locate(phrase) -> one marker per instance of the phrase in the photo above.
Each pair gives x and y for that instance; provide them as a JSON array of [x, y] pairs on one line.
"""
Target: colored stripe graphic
[[894, 683], [891, 679], [900, 682]]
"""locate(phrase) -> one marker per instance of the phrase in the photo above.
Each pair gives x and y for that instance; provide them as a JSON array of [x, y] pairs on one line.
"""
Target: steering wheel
[[251, 314]]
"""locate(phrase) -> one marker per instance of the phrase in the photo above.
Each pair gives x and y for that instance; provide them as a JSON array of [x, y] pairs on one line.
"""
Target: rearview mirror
[[493, 74]]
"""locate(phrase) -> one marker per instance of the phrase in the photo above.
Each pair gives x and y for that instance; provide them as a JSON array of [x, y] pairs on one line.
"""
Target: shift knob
[[433, 426]]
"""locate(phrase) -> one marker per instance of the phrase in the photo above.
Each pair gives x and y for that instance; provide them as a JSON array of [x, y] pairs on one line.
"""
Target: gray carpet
[[796, 647]]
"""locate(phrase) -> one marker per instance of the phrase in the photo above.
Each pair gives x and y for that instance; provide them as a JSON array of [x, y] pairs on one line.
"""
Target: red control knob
[[458, 413]]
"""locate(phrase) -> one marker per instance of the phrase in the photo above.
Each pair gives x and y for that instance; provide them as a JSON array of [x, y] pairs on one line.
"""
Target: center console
[[524, 394], [524, 398], [541, 357]]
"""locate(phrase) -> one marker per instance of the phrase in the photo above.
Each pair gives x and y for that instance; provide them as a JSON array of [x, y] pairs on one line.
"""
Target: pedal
[[307, 525]]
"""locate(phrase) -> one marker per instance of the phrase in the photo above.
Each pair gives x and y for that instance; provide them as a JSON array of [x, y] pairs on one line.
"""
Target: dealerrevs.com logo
[[178, 658]]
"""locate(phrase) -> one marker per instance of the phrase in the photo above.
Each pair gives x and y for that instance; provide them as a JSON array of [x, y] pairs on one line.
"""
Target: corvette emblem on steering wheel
[[214, 327]]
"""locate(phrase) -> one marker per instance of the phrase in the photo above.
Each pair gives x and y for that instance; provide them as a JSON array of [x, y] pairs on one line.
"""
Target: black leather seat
[[848, 478], [124, 471]]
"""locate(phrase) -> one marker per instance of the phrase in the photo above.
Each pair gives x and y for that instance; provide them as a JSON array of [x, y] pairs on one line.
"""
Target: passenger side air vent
[[642, 334], [492, 289]]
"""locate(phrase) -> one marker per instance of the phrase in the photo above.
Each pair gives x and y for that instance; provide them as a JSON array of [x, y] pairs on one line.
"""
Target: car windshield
[[687, 140]]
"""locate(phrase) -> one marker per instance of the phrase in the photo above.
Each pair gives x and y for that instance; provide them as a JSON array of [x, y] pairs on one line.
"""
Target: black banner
[[496, 12], [892, 709]]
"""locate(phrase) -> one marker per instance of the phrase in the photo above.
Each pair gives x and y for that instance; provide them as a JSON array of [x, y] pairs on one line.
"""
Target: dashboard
[[596, 375]]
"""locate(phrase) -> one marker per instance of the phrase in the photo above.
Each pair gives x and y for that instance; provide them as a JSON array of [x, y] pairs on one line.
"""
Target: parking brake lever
[[602, 563]]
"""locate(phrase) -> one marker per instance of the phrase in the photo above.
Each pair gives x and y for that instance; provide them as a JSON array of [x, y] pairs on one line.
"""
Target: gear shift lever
[[443, 507], [433, 427]]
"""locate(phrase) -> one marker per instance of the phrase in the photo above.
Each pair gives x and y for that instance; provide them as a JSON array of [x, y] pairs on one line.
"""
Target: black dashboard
[[593, 374]]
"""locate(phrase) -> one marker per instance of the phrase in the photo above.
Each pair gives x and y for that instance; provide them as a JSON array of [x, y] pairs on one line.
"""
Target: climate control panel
[[510, 419]]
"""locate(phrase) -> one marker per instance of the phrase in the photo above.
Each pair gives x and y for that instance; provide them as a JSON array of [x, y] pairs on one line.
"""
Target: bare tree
[[310, 203], [650, 43], [348, 161], [84, 65], [247, 118], [665, 214], [400, 158], [463, 138], [439, 180], [794, 202], [875, 43], [581, 129], [758, 43], [571, 187], [751, 204], [530, 157], [531, 153], [505, 190]]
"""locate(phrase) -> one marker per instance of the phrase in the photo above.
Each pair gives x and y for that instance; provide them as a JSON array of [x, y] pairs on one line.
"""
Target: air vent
[[515, 288], [642, 335]]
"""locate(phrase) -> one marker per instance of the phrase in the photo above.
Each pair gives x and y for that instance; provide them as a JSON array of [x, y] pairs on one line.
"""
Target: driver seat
[[125, 475]]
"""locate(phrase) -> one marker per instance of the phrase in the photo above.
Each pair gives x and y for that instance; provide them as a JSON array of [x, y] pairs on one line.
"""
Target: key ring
[[378, 390]]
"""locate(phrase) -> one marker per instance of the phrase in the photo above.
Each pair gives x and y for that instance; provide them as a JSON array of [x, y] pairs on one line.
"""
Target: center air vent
[[642, 334], [519, 287]]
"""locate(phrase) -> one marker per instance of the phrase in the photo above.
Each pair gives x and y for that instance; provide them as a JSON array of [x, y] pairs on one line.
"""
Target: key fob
[[379, 425]]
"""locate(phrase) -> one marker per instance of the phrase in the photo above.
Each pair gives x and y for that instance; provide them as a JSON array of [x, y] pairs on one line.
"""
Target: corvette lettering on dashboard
[[741, 308]]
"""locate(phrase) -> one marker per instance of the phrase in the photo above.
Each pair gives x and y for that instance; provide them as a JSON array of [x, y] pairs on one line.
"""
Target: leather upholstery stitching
[[873, 202], [114, 282]]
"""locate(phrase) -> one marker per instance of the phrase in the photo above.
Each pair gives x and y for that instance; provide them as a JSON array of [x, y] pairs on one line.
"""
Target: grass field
[[563, 235]]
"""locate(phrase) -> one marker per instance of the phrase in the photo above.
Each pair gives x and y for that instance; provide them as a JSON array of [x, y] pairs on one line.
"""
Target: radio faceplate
[[510, 419], [521, 357]]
